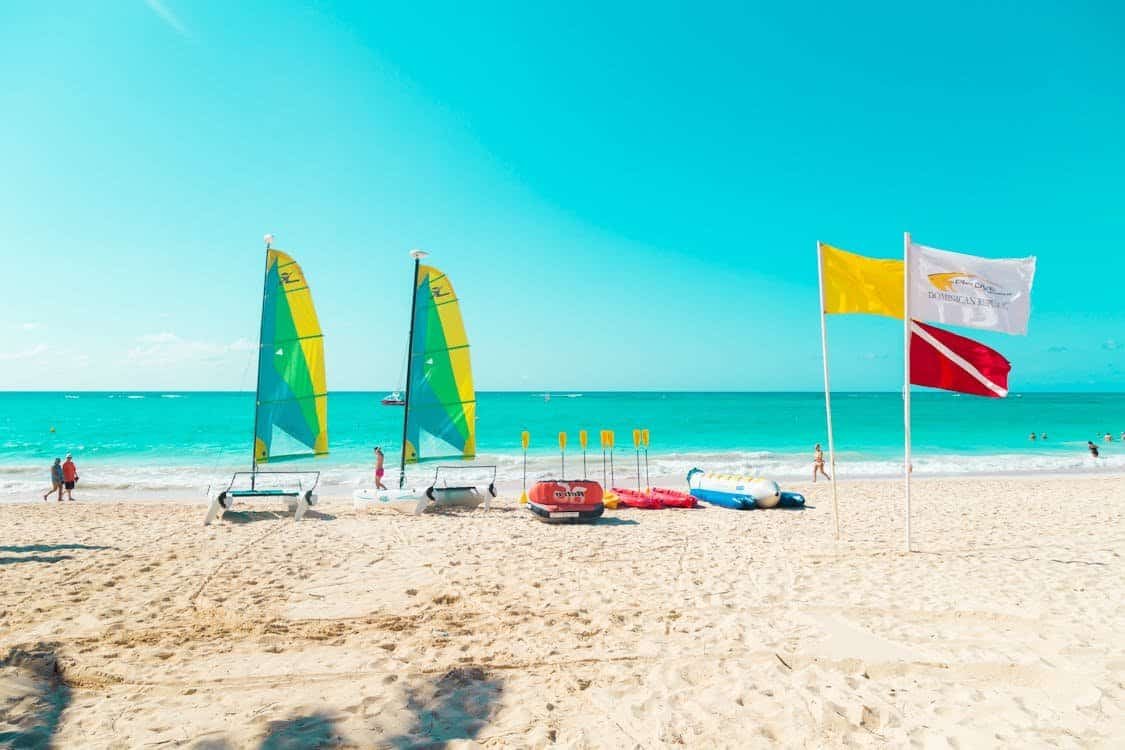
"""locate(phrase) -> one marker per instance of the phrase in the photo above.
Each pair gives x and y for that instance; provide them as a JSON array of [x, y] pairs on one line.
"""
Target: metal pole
[[409, 364], [827, 389], [258, 374], [906, 371]]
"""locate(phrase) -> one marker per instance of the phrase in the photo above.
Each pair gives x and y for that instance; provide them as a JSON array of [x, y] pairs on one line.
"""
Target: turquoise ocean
[[156, 444]]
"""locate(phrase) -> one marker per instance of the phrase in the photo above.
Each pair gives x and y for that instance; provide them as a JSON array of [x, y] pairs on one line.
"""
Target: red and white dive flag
[[940, 359]]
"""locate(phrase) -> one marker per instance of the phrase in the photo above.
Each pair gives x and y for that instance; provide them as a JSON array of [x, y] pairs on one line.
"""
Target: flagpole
[[906, 367], [827, 388]]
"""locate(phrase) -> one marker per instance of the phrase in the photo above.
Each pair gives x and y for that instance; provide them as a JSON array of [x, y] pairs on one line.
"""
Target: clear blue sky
[[625, 197]]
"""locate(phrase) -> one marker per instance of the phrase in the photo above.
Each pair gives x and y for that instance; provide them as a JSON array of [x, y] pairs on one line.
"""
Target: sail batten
[[291, 419], [441, 410]]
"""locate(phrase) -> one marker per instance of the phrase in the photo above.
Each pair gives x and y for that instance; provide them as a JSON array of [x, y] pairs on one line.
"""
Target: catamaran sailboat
[[291, 401], [439, 419]]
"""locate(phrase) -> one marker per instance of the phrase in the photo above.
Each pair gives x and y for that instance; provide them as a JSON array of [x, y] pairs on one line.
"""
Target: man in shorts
[[70, 476]]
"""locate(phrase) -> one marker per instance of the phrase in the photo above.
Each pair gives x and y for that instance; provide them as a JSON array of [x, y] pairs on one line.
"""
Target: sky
[[626, 196]]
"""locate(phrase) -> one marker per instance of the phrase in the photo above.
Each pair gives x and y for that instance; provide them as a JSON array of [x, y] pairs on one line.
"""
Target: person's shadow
[[47, 699]]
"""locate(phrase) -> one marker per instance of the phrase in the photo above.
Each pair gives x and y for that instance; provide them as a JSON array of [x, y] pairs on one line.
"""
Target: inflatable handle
[[562, 441], [692, 473], [525, 439], [644, 438], [582, 439]]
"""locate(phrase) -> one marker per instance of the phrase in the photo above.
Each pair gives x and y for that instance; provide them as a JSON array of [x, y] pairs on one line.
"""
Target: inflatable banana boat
[[740, 492]]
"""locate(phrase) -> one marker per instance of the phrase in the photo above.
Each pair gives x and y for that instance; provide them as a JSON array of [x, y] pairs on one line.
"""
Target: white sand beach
[[133, 625]]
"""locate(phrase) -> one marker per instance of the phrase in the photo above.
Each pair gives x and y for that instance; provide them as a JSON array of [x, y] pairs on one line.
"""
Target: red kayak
[[638, 499], [674, 498]]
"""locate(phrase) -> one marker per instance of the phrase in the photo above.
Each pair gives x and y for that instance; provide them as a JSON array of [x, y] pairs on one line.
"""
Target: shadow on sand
[[254, 516], [34, 683], [314, 730], [49, 547], [35, 558], [457, 707]]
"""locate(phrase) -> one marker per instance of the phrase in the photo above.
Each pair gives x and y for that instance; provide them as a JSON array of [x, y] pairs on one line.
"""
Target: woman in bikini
[[818, 463], [379, 469]]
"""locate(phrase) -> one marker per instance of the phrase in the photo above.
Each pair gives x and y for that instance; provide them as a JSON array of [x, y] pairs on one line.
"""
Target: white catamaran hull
[[297, 502], [412, 501], [460, 497], [415, 501]]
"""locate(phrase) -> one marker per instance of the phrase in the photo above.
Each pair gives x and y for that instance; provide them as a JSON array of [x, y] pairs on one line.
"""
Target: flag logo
[[952, 282]]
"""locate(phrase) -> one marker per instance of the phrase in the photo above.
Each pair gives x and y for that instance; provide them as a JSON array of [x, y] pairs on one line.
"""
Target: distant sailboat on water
[[291, 397]]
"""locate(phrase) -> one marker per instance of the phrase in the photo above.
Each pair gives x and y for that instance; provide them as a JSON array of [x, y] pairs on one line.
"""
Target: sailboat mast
[[258, 370], [409, 362]]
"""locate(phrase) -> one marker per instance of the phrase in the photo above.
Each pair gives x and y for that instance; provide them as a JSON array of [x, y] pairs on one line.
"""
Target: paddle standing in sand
[[818, 464]]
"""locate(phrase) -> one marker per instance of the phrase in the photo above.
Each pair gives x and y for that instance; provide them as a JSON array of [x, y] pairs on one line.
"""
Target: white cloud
[[164, 337], [166, 349], [166, 15], [31, 353]]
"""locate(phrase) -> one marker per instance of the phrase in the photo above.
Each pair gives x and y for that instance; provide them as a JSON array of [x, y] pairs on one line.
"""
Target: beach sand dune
[[131, 625]]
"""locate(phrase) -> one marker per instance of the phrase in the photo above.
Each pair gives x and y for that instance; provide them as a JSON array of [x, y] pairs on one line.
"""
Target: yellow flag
[[858, 284]]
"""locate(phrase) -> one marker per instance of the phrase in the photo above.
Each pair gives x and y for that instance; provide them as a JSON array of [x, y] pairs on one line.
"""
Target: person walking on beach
[[818, 463], [56, 480], [1093, 448], [379, 471], [70, 477]]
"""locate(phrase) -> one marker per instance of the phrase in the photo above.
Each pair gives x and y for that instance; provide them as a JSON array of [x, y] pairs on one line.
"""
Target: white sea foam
[[113, 480]]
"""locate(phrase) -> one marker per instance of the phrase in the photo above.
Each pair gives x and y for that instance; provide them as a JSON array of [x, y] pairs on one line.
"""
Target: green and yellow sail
[[442, 409], [291, 418]]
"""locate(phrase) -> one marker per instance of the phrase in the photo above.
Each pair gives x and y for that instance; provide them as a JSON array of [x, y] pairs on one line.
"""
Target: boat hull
[[411, 501], [566, 513], [458, 497]]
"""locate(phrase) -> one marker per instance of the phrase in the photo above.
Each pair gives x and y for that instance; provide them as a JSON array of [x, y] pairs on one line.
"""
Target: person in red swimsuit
[[379, 469]]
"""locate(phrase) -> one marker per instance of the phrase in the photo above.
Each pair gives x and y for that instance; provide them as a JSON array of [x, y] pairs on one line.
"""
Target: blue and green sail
[[441, 413], [291, 418]]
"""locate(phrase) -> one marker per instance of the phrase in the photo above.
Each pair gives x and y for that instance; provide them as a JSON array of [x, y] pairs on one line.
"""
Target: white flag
[[967, 290]]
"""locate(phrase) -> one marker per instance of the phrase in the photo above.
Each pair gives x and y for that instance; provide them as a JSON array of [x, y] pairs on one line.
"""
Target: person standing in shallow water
[[818, 463], [379, 471], [56, 480], [1093, 448]]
